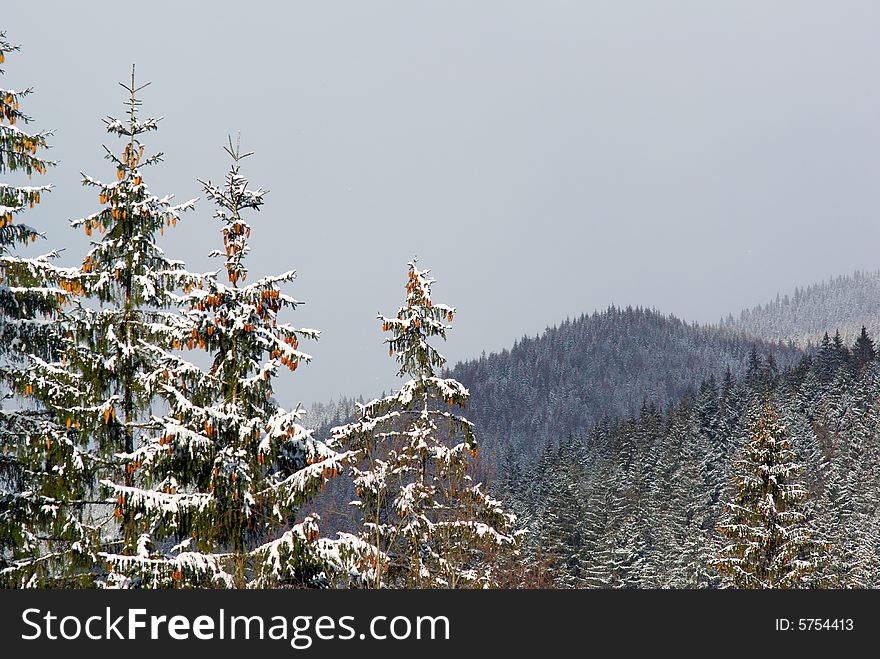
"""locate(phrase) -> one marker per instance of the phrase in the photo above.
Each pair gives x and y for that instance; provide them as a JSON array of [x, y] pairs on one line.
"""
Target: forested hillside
[[604, 364], [842, 304], [637, 502]]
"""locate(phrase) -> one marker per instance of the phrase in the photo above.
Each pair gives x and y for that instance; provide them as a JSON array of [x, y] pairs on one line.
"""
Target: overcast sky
[[543, 158]]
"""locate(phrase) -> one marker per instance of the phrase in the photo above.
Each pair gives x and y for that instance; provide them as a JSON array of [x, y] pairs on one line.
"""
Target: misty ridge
[[844, 304]]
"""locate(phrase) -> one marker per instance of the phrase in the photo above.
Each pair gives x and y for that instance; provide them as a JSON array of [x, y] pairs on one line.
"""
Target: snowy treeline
[[324, 416]]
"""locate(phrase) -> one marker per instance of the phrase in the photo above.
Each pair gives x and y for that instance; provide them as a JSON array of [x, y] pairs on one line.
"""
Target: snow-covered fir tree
[[28, 294], [98, 388], [41, 469], [216, 487], [424, 521], [850, 502], [864, 352], [770, 544], [559, 528], [682, 555]]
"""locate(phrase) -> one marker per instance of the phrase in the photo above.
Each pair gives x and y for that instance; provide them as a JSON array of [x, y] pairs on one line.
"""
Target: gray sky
[[542, 158]]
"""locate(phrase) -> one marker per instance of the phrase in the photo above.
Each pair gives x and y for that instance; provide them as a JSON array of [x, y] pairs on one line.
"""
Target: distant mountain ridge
[[605, 364], [844, 303]]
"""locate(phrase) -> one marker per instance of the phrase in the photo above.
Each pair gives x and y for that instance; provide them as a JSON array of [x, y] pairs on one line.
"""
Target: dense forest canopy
[[639, 501]]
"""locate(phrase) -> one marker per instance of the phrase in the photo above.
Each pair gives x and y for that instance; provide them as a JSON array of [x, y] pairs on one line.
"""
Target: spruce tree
[[863, 351], [29, 292], [753, 368], [25, 293], [42, 469], [596, 530], [98, 388], [770, 544], [841, 352], [826, 357], [219, 481], [423, 519], [849, 502], [686, 493], [559, 530]]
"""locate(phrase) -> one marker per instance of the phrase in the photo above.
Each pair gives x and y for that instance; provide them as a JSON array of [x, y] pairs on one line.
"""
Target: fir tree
[[849, 498], [559, 530], [770, 545], [841, 352], [596, 532], [770, 373], [42, 470], [686, 492], [98, 389], [863, 351], [826, 357], [753, 367], [425, 521], [25, 292]]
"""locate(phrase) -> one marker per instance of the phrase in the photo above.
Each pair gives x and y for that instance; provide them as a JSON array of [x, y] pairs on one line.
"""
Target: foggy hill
[[844, 303], [605, 364]]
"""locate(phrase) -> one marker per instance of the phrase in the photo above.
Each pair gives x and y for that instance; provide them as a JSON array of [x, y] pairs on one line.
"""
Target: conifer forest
[[145, 442]]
